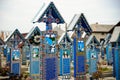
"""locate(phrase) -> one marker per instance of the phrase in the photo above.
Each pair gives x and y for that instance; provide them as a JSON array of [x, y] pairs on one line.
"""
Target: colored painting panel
[[16, 68], [66, 66], [15, 61], [93, 61], [64, 62], [80, 46], [35, 67], [51, 68], [50, 42], [81, 64], [15, 55], [66, 54], [35, 53], [35, 63]]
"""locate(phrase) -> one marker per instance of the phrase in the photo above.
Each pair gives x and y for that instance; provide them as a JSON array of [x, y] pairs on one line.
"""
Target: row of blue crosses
[[51, 15]]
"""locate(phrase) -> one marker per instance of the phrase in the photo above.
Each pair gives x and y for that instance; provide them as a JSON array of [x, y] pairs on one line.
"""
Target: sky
[[20, 13]]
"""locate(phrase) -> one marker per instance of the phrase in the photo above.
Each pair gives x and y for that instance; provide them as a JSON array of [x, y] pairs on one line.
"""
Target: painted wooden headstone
[[13, 52], [108, 48], [50, 59], [34, 39], [92, 53], [49, 14], [65, 55], [80, 26], [115, 41], [117, 62]]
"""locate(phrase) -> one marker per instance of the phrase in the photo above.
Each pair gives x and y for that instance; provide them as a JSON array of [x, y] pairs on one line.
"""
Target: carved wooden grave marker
[[80, 27], [65, 55], [13, 52], [92, 53], [34, 39]]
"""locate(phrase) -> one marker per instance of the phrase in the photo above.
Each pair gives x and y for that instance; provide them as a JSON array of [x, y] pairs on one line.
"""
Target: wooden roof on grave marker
[[115, 35], [45, 9], [79, 18], [91, 39], [107, 39], [32, 31], [16, 31], [63, 37]]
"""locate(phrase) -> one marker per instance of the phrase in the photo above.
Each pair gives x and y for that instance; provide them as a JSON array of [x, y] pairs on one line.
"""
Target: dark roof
[[45, 9], [32, 31], [64, 37], [118, 24], [16, 31], [115, 35], [107, 39], [92, 40], [79, 19]]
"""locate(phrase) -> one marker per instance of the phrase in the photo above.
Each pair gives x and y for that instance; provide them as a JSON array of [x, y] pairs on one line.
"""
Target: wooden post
[[65, 56], [117, 62]]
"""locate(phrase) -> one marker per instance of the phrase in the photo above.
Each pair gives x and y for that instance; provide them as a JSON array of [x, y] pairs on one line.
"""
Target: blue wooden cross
[[13, 51], [50, 60], [80, 27], [115, 41], [65, 53], [49, 14], [34, 53], [92, 53]]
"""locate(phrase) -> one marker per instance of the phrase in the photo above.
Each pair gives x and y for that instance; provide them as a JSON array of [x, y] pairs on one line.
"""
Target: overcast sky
[[20, 13]]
